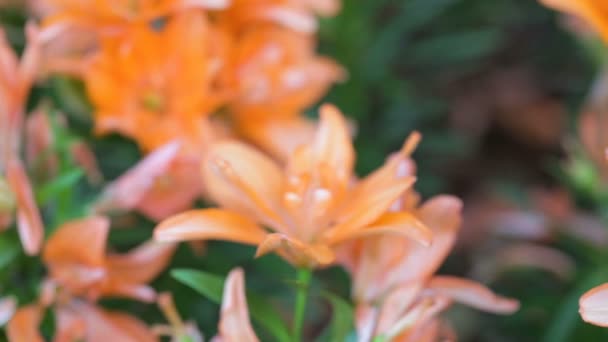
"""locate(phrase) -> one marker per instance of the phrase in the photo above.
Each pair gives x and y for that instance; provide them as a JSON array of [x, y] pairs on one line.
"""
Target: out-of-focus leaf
[[211, 286], [207, 284], [455, 47], [567, 317], [341, 325], [9, 249], [64, 182], [70, 96]]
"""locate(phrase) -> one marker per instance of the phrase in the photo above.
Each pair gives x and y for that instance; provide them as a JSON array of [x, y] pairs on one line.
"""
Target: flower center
[[153, 101]]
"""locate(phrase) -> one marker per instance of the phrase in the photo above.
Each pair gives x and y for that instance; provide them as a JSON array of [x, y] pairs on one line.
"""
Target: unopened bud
[[7, 198]]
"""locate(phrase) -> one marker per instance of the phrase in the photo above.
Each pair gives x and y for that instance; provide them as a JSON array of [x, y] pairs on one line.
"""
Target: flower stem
[[303, 278]]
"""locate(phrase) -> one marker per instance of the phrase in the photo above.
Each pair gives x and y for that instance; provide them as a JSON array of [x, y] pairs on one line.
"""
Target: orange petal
[[129, 189], [141, 265], [234, 322], [79, 241], [243, 179], [29, 222], [473, 294], [399, 223], [280, 136], [102, 326], [366, 208], [331, 147], [296, 252], [204, 224], [23, 327], [593, 306]]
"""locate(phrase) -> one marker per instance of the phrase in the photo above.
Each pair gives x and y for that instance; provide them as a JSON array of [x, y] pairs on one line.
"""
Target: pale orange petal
[[103, 326], [29, 222], [23, 327], [295, 251], [593, 306], [473, 294], [8, 306], [209, 224], [129, 189], [280, 136], [79, 241], [142, 264], [234, 322], [243, 179], [396, 223], [367, 208]]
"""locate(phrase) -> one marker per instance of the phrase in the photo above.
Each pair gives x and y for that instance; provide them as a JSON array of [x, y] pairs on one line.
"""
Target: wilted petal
[[473, 294], [243, 179], [296, 252], [129, 189], [593, 306], [209, 224], [24, 326], [29, 222], [234, 322]]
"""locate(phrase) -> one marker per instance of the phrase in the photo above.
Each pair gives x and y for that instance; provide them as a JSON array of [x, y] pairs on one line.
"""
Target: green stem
[[303, 278]]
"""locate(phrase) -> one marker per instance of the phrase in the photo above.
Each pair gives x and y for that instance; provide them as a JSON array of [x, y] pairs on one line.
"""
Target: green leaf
[[9, 249], [64, 182], [567, 318], [211, 286], [341, 325]]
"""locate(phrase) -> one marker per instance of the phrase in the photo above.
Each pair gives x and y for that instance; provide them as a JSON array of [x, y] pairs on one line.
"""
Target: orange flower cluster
[[80, 272], [195, 72]]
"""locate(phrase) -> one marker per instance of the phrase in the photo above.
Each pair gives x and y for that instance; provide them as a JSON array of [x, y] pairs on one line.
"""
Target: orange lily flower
[[312, 205], [593, 306], [16, 79], [276, 75], [80, 272], [145, 85], [593, 11], [396, 293], [76, 258]]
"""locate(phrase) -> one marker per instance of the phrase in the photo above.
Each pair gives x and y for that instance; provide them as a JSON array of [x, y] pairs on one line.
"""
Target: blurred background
[[499, 91]]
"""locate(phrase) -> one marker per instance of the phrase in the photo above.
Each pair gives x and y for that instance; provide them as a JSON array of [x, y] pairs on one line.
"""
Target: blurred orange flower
[[312, 205], [109, 16], [80, 272], [16, 79], [145, 85], [394, 287], [593, 11]]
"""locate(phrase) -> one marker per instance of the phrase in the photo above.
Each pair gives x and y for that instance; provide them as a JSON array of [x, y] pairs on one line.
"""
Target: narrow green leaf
[[211, 286], [64, 182], [342, 322], [9, 249]]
